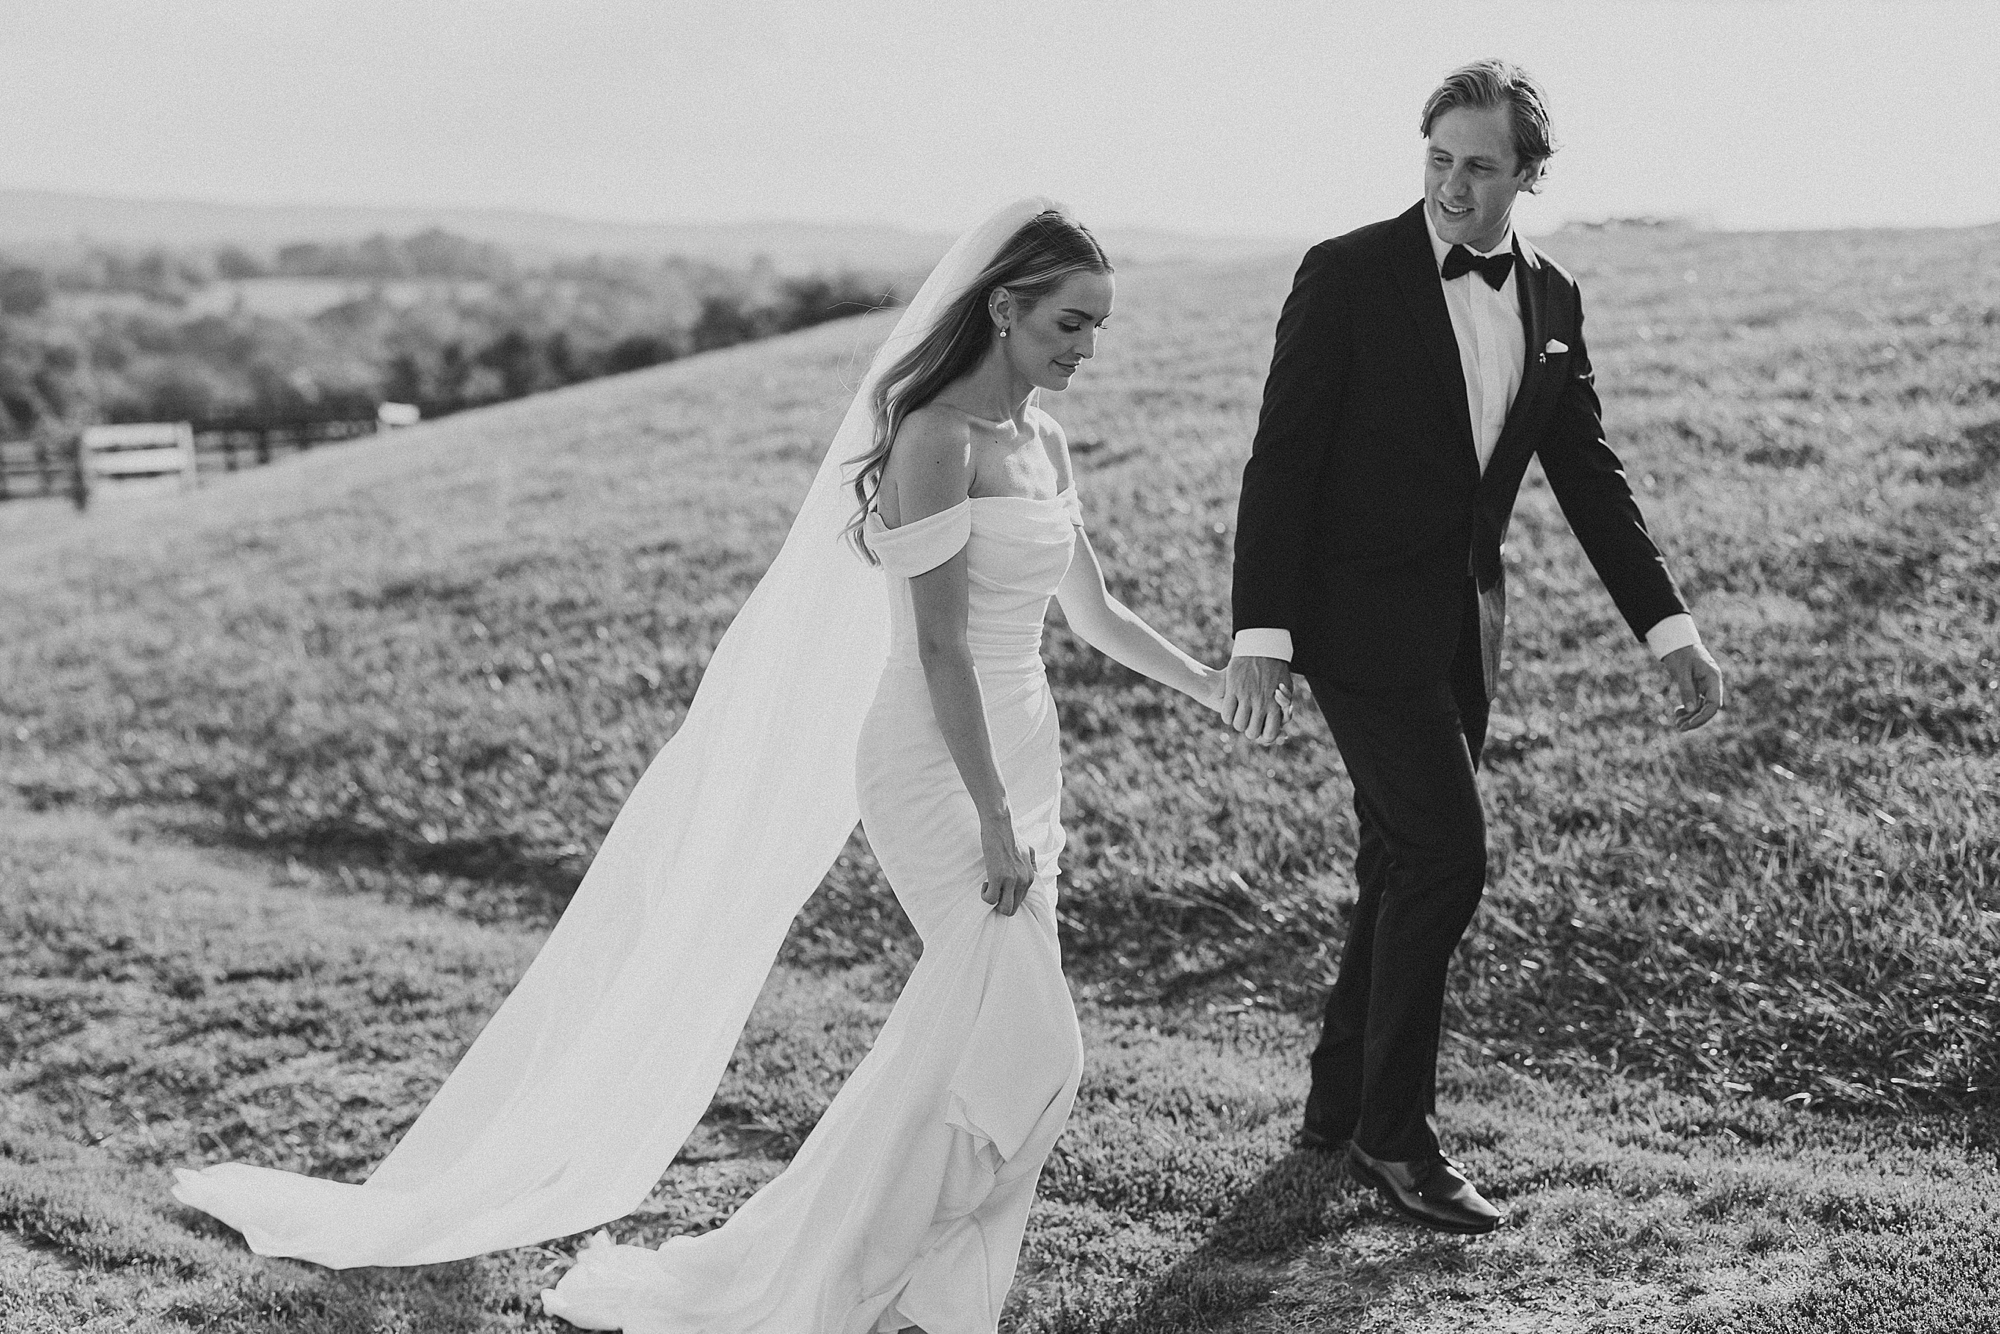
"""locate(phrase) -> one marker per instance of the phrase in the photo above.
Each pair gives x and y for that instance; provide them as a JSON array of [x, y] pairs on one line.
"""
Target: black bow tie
[[1493, 268]]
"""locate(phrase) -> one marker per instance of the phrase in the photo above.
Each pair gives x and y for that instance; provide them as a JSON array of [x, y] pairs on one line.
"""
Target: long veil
[[574, 1099]]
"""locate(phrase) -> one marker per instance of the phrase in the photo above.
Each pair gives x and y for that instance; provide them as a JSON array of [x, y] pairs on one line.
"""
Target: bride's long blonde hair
[[1048, 248]]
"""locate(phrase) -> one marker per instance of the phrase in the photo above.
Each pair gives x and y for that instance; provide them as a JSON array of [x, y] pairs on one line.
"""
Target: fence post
[[79, 485]]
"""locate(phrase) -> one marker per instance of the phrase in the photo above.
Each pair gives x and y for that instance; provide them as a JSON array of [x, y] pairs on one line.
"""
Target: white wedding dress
[[906, 1204]]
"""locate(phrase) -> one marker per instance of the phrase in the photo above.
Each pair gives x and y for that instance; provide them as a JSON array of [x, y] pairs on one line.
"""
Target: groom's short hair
[[1492, 83]]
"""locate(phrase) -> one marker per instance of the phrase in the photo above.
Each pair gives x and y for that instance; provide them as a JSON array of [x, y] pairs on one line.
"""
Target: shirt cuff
[[1263, 644], [1674, 632]]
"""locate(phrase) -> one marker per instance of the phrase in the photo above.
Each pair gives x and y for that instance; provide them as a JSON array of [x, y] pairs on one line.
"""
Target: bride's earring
[[1003, 331]]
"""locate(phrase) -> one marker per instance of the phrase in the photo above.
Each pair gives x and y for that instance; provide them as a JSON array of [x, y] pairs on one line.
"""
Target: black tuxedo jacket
[[1364, 522]]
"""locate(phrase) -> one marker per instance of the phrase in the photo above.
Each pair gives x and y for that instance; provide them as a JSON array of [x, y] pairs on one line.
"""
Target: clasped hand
[[1257, 697]]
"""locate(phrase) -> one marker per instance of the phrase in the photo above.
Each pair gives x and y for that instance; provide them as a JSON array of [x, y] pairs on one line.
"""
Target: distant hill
[[41, 217]]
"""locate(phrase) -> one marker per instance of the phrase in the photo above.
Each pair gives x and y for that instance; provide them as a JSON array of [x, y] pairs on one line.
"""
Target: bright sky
[[1224, 116]]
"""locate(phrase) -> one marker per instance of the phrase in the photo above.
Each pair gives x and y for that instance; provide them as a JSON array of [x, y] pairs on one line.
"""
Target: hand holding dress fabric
[[1010, 868]]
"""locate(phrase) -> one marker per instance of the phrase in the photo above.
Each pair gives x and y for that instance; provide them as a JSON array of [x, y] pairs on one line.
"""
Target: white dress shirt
[[1493, 353], [1492, 341]]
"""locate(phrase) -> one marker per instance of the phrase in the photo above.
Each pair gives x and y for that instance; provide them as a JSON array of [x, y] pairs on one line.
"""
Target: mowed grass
[[1722, 1036], [169, 1005]]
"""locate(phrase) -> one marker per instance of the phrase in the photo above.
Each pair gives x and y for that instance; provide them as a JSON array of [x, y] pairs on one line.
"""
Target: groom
[[1420, 363]]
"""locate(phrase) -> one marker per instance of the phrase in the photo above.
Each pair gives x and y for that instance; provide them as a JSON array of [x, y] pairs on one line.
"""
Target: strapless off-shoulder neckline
[[918, 545], [1059, 496], [1066, 496]]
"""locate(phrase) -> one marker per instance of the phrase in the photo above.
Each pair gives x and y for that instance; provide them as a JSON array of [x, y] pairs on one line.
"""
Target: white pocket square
[[1555, 345]]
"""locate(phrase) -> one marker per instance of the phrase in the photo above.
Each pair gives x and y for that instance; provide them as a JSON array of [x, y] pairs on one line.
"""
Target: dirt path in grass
[[165, 1004]]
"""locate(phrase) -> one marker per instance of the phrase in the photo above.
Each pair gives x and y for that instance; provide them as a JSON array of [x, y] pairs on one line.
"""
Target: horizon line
[[1689, 221]]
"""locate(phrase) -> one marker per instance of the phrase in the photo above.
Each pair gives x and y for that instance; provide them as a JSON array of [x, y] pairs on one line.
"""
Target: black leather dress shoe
[[1431, 1191]]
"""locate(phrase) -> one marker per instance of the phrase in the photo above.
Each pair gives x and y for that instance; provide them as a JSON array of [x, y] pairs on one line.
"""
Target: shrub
[[23, 291]]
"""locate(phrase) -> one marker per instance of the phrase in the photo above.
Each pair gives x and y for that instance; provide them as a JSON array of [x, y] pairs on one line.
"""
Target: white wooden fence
[[115, 455]]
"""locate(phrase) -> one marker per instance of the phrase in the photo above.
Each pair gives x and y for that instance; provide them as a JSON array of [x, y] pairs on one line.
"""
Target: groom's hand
[[1251, 700], [1699, 683]]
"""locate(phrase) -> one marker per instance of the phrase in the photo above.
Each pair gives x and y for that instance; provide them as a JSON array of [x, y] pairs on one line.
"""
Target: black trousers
[[1419, 868]]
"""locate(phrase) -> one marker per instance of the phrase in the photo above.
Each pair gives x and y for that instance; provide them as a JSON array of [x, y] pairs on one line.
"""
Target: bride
[[906, 688]]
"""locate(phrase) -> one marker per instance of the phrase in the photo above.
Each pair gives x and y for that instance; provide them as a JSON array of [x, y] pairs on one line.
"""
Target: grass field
[[296, 772]]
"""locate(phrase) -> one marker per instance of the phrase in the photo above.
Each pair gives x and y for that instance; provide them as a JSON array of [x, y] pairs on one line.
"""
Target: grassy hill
[[298, 768]]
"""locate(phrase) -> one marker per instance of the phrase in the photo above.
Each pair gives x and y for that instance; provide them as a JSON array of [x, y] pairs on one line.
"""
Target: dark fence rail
[[41, 467], [225, 446], [48, 465]]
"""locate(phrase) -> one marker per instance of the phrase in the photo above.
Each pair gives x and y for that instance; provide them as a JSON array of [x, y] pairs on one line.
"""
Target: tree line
[[317, 329]]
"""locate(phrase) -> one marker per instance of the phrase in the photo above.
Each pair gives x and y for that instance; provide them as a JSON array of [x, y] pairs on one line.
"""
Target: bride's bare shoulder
[[934, 438], [929, 466]]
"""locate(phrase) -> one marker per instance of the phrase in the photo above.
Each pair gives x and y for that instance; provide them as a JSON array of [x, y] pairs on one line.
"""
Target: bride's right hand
[[1010, 868], [1214, 685]]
